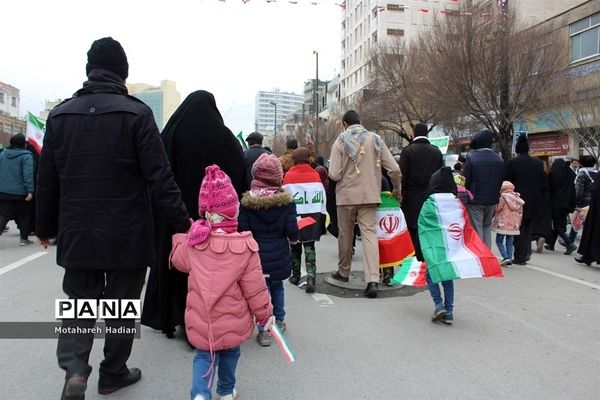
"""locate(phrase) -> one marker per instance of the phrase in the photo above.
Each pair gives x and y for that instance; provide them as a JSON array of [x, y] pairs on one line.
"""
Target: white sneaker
[[198, 397], [231, 396]]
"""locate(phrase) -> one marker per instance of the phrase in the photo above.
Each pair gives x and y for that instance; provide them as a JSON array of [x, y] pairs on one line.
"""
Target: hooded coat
[[16, 172], [272, 221], [226, 289], [102, 167], [194, 138], [527, 174], [509, 211]]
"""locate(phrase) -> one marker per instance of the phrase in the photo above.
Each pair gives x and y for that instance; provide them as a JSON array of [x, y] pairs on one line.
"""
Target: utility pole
[[505, 127], [316, 100]]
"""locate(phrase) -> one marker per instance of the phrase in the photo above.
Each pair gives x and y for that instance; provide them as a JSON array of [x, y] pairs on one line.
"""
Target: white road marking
[[22, 261], [568, 278], [323, 299]]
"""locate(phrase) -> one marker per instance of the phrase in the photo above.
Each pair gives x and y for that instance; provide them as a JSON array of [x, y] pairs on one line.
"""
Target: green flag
[[241, 139]]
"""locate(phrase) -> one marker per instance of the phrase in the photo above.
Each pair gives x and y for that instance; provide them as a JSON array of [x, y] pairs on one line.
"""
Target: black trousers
[[559, 228], [20, 211], [522, 242], [414, 235], [73, 351]]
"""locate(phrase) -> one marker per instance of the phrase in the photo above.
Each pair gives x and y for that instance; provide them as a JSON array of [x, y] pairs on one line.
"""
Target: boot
[[294, 279], [311, 285]]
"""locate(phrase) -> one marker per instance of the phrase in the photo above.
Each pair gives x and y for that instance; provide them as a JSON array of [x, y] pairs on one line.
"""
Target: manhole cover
[[355, 287]]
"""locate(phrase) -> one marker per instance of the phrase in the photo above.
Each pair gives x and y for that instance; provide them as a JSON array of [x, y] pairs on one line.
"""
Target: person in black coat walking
[[527, 174], [418, 162], [483, 178], [589, 248], [253, 151], [562, 197], [101, 166]]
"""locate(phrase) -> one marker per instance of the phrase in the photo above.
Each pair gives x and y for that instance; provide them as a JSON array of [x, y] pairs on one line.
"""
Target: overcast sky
[[228, 48]]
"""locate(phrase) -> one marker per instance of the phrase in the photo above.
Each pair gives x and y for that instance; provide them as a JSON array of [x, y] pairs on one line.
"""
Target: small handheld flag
[[284, 346]]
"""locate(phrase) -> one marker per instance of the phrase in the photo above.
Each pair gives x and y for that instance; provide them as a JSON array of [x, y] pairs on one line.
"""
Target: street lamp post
[[275, 117], [316, 94]]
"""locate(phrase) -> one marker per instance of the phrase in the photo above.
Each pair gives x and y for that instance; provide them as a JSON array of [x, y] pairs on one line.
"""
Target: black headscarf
[[194, 138], [442, 181], [562, 187]]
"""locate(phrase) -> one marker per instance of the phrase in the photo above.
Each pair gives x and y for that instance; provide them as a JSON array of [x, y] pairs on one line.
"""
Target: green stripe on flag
[[34, 121], [242, 141], [433, 244]]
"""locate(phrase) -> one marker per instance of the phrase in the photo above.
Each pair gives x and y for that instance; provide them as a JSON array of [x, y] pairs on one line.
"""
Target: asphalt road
[[532, 335]]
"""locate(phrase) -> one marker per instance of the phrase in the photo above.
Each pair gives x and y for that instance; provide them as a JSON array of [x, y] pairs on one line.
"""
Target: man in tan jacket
[[356, 159]]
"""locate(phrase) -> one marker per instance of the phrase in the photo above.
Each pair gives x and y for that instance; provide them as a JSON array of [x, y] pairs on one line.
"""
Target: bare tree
[[576, 104], [394, 99], [490, 68]]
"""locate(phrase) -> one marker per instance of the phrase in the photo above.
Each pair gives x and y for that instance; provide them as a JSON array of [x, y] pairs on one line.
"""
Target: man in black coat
[[527, 174], [251, 154], [483, 178], [102, 162], [418, 162]]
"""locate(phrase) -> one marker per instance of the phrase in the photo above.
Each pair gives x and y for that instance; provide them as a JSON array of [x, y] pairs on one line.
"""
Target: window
[[395, 7], [585, 38], [1, 97], [13, 102], [395, 32]]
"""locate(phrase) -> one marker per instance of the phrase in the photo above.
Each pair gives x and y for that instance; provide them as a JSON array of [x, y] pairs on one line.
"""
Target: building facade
[[9, 100], [163, 99], [275, 104], [368, 25], [553, 131], [10, 126]]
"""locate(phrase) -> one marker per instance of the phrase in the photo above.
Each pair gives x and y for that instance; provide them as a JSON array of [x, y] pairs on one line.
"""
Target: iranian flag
[[411, 273], [451, 248], [35, 132], [392, 234]]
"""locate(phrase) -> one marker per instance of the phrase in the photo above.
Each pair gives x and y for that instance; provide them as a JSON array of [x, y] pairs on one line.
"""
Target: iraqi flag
[[392, 234], [35, 132], [451, 248], [304, 184], [412, 273]]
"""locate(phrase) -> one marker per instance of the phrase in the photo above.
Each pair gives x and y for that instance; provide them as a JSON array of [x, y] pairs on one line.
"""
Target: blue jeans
[[277, 299], [505, 252], [434, 290], [225, 364]]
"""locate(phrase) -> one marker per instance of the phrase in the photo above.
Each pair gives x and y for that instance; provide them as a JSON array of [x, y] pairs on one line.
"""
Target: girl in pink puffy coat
[[507, 220], [226, 287]]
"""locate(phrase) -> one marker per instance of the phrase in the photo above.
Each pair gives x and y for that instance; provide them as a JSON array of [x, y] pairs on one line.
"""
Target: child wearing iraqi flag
[[308, 192], [451, 247]]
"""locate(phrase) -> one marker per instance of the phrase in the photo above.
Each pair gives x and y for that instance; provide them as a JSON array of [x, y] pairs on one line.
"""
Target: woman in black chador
[[589, 248], [194, 138]]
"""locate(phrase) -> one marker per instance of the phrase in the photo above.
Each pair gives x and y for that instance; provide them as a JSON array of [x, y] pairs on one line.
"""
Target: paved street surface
[[533, 335]]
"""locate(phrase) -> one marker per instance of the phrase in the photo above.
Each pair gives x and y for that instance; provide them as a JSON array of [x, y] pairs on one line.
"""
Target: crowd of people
[[118, 196]]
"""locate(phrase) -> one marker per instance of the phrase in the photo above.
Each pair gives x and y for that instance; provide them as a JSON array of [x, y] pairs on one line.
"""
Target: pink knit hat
[[218, 205], [266, 172]]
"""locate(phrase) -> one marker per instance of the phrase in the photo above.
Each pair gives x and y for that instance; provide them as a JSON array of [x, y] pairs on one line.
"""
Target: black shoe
[[519, 262], [371, 290], [310, 284], [74, 388], [336, 275], [582, 260], [106, 386], [570, 250], [548, 247], [294, 279]]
